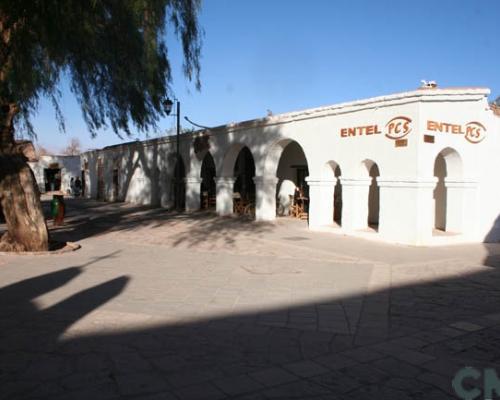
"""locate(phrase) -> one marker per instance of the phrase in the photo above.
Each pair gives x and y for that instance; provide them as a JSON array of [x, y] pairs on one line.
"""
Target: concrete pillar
[[224, 190], [265, 198], [461, 206], [193, 187], [355, 203], [406, 210], [164, 184], [320, 201]]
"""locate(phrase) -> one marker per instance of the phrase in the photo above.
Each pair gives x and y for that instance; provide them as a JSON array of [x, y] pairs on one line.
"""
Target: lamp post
[[168, 109]]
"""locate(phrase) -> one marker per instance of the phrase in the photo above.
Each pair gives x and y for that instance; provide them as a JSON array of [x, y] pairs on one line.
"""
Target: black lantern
[[167, 104]]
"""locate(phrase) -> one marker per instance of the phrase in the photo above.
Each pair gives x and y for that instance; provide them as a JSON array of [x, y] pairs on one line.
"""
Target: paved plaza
[[159, 305]]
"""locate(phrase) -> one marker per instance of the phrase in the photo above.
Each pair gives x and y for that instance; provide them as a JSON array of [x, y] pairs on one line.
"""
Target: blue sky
[[286, 55]]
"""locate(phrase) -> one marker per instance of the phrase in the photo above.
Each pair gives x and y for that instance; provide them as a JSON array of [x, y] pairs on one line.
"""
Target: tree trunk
[[19, 194]]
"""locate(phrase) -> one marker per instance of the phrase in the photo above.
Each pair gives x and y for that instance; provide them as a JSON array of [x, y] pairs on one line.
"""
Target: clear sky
[[286, 55]]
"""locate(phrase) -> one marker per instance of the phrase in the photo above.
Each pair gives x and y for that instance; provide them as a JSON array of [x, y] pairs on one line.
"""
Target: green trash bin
[[54, 206], [58, 209]]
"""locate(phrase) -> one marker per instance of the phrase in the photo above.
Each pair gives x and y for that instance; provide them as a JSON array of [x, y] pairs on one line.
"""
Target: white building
[[53, 173], [420, 167]]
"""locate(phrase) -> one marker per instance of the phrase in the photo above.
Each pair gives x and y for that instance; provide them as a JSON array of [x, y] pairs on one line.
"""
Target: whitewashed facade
[[68, 166], [420, 167]]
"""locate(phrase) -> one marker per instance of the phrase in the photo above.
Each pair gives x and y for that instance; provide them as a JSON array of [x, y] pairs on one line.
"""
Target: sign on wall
[[473, 131], [399, 127], [396, 129]]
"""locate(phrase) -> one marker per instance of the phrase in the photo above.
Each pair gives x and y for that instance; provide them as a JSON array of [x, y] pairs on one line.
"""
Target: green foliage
[[113, 52]]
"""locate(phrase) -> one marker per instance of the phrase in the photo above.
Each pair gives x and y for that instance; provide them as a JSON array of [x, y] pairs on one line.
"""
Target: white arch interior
[[447, 165], [229, 161], [289, 162], [373, 172], [331, 170]]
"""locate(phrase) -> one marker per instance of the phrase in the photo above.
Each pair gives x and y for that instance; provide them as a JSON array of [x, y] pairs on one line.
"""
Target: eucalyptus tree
[[114, 55]]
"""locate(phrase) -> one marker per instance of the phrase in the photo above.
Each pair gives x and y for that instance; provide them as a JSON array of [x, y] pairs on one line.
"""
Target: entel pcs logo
[[398, 127], [474, 132]]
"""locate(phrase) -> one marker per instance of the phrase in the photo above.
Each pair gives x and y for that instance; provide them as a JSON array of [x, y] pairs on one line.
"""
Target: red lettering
[[473, 132], [343, 132], [406, 127]]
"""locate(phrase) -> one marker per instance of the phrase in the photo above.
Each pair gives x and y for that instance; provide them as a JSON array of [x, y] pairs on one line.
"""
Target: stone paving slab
[[159, 305]]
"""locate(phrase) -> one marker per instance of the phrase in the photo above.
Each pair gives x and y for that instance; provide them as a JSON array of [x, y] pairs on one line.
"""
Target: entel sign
[[398, 127], [395, 129], [474, 131]]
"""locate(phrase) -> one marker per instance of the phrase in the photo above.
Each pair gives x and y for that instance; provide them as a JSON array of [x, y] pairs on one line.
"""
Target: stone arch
[[454, 164], [333, 172], [179, 184], [100, 178], [207, 184], [372, 170], [274, 155], [229, 160], [115, 179], [448, 168], [244, 173], [287, 164]]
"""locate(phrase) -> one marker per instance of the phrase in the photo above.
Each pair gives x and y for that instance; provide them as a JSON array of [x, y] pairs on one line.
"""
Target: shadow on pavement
[[403, 342], [87, 218]]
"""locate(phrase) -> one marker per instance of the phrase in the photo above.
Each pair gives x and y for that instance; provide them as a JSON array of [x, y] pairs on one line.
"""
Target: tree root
[[8, 244]]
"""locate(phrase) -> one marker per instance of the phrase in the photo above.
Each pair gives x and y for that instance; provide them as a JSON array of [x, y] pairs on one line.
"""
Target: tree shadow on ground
[[87, 218], [406, 341]]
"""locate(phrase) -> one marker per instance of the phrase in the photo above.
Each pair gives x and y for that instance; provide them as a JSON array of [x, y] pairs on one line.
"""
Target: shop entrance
[[292, 190], [244, 186], [52, 177], [207, 190]]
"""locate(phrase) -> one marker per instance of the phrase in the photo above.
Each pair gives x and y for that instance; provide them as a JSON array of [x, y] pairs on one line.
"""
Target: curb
[[69, 247]]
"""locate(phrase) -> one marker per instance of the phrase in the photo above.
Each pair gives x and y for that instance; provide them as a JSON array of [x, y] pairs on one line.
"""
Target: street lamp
[[195, 124], [167, 104]]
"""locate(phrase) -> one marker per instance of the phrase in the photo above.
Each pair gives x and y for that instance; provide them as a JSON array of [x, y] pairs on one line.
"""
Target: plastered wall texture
[[420, 160]]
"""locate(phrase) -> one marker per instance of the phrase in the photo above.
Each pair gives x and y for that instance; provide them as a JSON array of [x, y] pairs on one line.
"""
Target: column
[[355, 203], [265, 198], [320, 201], [406, 209], [461, 206], [224, 193], [193, 186], [167, 191]]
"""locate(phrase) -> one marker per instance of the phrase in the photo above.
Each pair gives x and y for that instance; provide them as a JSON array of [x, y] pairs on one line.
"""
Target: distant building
[[420, 167], [54, 173]]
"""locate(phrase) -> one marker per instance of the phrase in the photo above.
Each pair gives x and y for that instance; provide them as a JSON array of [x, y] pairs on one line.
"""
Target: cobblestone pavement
[[160, 305]]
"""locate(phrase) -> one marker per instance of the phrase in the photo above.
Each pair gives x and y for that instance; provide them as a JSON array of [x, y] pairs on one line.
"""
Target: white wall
[[406, 180], [69, 165]]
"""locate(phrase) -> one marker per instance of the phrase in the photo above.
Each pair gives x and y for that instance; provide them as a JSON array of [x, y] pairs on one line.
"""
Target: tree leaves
[[113, 52]]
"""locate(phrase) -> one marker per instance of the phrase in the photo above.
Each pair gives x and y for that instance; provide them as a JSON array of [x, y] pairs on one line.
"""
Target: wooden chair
[[204, 201], [293, 209], [212, 201], [302, 208], [238, 204]]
